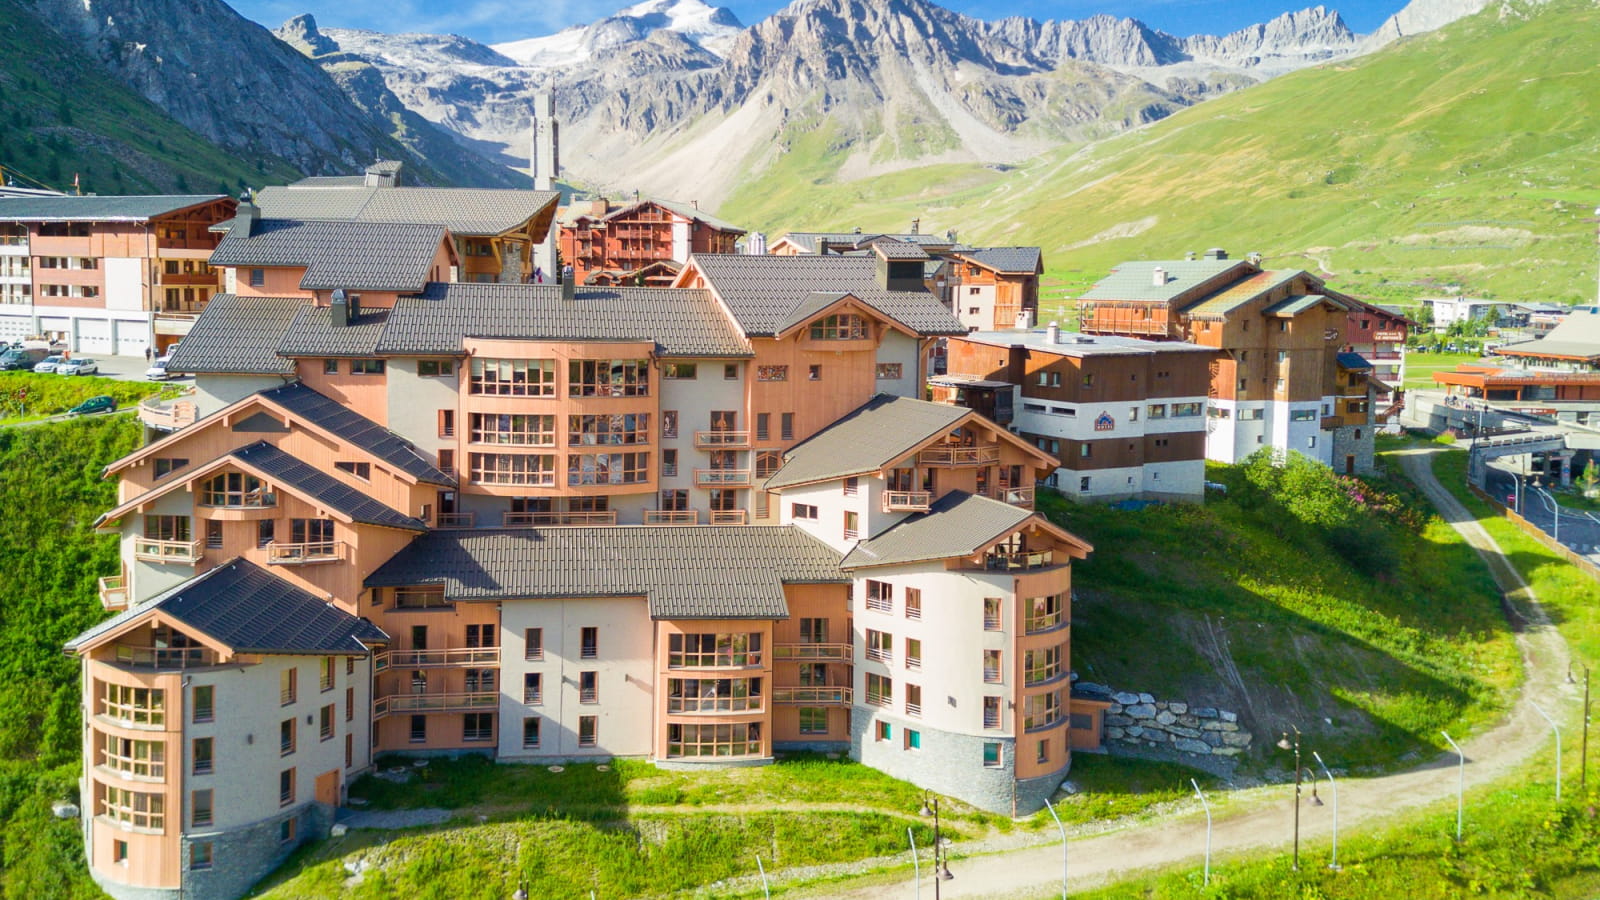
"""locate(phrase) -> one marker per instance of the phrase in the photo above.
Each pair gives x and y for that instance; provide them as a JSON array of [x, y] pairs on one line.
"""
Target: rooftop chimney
[[1189, 255], [755, 243], [569, 285], [1216, 253], [340, 313], [1052, 333], [1158, 277], [599, 206], [916, 226], [383, 173], [244, 221], [695, 203]]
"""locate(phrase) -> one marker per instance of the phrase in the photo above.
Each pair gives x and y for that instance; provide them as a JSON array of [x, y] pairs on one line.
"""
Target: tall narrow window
[[589, 643]]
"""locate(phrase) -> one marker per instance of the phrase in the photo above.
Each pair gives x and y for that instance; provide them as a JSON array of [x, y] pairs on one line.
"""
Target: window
[[514, 429], [349, 704], [436, 368], [513, 377], [1088, 380], [768, 462], [814, 373], [914, 700], [202, 855], [286, 730], [366, 367], [167, 465], [615, 430], [714, 740], [588, 687], [1044, 613], [709, 651], [852, 526], [349, 746], [589, 731], [266, 532], [1041, 710], [730, 371], [119, 852], [286, 787], [679, 371], [880, 646], [992, 617], [839, 328], [705, 695], [913, 603], [1085, 450], [889, 371], [447, 423], [286, 687], [533, 643], [880, 596], [200, 808], [532, 688], [991, 712], [1083, 483], [589, 641], [813, 631], [134, 809], [214, 534], [882, 731], [1181, 410], [325, 673], [419, 729], [1303, 415], [138, 759], [813, 720], [772, 373], [852, 486], [1250, 415], [608, 378], [530, 469], [669, 463], [880, 690], [311, 531], [1044, 752], [1041, 665], [1156, 411], [608, 468], [200, 754], [669, 423], [913, 653], [481, 636], [1217, 412], [325, 723], [258, 277], [1311, 442], [136, 706], [286, 830], [913, 739], [803, 511], [477, 726], [787, 431], [991, 756], [330, 367], [236, 489], [530, 733]]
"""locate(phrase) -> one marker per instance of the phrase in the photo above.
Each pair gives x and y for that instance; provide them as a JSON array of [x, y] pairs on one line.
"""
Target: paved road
[[1261, 818], [1579, 531]]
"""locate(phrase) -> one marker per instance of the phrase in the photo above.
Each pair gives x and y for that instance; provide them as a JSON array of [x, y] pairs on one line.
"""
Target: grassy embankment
[[26, 397]]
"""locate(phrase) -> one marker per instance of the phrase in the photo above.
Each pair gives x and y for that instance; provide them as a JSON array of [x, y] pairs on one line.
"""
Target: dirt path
[[1262, 818]]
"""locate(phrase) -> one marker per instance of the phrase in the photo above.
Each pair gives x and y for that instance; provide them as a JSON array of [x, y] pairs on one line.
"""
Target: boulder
[[1181, 731], [1136, 731], [1165, 717], [1125, 698], [1226, 751], [1147, 698], [1113, 734], [1236, 738], [1189, 721], [1119, 720], [1229, 716], [1179, 708], [1142, 711], [1198, 748], [1205, 712]]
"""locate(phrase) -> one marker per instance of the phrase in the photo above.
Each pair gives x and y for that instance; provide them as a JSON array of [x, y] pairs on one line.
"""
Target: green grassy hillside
[[61, 115], [1461, 158]]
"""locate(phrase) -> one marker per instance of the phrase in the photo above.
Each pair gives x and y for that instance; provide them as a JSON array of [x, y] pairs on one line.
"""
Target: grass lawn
[[1421, 366], [26, 397]]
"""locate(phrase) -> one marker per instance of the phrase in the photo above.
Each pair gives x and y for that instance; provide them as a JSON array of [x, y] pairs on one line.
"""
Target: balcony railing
[[812, 652], [165, 551], [435, 703], [455, 520], [698, 705], [537, 519], [479, 657], [982, 454], [1019, 496], [721, 477], [914, 710], [672, 517], [728, 517], [991, 718], [879, 654], [143, 657], [813, 696], [906, 501], [167, 416], [304, 553], [113, 592], [1026, 559], [720, 440], [879, 699]]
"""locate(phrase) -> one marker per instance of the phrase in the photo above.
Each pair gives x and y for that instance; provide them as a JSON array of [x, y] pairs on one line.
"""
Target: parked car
[[21, 358], [77, 366], [49, 363], [101, 404], [158, 369]]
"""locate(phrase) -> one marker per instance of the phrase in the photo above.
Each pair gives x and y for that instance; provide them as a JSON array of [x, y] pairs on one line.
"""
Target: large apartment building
[[1125, 416], [107, 275], [1280, 381], [544, 522], [644, 243]]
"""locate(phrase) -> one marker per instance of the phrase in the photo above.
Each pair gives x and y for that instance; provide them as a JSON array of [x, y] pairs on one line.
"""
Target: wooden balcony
[[722, 477], [113, 592], [1026, 559], [167, 416], [807, 652], [481, 657], [695, 706], [538, 519], [980, 455], [907, 501], [721, 440], [163, 551], [454, 520], [1022, 496], [672, 517], [464, 701], [812, 696], [729, 517], [162, 658], [305, 553]]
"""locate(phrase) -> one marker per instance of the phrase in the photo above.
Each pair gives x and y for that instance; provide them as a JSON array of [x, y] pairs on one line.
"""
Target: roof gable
[[957, 525], [355, 255], [69, 208], [464, 211], [760, 292]]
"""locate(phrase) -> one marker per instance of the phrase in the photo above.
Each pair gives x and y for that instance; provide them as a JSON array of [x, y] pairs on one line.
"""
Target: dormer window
[[236, 490], [839, 328]]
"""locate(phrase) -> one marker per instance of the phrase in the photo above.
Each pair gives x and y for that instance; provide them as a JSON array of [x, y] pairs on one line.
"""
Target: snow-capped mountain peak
[[710, 27]]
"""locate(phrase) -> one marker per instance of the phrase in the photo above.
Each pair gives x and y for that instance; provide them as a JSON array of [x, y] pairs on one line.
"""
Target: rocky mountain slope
[[231, 82]]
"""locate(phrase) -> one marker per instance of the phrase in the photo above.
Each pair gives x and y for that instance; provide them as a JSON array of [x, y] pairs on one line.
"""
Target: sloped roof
[[897, 249], [69, 208], [812, 241], [692, 572], [1135, 280], [312, 333], [956, 525], [348, 425], [1010, 260], [375, 256], [1239, 293], [761, 291], [324, 488], [680, 322], [465, 211], [238, 335], [873, 435], [1294, 305], [251, 610], [1576, 337]]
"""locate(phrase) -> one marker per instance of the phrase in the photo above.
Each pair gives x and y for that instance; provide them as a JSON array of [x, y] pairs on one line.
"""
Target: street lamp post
[[1333, 786], [1202, 795], [916, 867], [1286, 743], [1557, 729], [1061, 828], [1461, 781], [766, 891], [941, 856]]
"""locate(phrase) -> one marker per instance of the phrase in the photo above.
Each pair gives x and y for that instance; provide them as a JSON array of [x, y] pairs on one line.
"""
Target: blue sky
[[493, 21]]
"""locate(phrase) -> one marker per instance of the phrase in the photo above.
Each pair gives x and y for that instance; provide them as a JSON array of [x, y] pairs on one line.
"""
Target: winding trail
[[1261, 818]]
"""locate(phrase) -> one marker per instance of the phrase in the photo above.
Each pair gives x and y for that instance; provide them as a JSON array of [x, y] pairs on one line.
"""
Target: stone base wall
[[1345, 443], [951, 764], [245, 855], [1140, 720]]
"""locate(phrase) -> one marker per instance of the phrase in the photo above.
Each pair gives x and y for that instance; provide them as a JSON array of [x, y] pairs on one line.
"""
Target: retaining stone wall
[[1140, 720]]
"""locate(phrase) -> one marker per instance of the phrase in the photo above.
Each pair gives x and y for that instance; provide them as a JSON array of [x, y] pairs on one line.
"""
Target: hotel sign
[[1389, 336]]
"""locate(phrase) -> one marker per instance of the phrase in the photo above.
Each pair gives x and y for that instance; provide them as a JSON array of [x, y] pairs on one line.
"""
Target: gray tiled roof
[[1240, 291], [349, 425], [957, 525], [238, 335], [375, 256], [690, 211], [681, 322], [761, 291], [327, 490], [253, 611], [345, 181], [1006, 259], [810, 241], [873, 435], [894, 248], [1577, 336], [68, 208], [1135, 280], [465, 211], [313, 334], [704, 572]]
